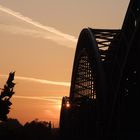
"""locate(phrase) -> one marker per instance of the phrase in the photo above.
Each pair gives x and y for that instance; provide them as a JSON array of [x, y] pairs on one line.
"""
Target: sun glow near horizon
[[46, 106], [36, 108]]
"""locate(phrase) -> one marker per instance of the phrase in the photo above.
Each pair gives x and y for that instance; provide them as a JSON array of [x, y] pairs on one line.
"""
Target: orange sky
[[38, 40]]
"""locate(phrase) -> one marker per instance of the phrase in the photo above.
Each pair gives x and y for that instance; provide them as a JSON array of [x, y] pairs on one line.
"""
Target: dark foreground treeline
[[34, 130]]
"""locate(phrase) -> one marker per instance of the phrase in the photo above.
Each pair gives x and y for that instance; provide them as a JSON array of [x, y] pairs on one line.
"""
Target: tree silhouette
[[5, 96]]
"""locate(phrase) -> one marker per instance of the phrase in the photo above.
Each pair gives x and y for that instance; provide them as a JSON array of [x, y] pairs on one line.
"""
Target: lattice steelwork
[[84, 85], [104, 38], [103, 94]]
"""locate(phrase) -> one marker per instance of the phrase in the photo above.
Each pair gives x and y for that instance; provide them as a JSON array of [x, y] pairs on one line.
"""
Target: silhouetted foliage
[[10, 129], [6, 93], [34, 130], [38, 130]]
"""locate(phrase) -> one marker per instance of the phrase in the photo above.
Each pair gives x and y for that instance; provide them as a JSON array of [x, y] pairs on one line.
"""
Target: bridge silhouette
[[103, 101]]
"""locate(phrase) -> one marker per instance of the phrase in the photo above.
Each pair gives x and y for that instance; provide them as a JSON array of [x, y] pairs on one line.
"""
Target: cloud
[[51, 100], [46, 32], [66, 84]]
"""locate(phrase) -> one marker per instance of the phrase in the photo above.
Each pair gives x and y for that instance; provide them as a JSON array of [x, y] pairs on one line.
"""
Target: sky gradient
[[38, 41]]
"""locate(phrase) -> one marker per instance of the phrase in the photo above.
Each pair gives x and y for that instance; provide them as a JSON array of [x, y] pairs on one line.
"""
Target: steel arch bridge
[[103, 101]]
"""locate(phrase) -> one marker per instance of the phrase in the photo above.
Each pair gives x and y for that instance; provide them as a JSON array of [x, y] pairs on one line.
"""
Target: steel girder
[[104, 74]]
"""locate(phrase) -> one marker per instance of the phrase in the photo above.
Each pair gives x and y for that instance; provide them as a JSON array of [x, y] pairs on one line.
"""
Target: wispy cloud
[[52, 100], [51, 33], [66, 84]]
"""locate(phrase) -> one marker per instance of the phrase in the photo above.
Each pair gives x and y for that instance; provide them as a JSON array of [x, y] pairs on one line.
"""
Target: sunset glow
[[38, 42], [67, 105]]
